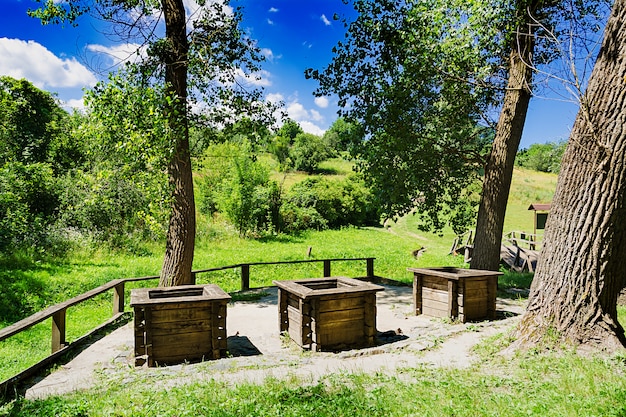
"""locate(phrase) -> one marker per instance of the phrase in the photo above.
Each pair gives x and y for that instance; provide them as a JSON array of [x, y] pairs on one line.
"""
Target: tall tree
[[400, 75], [420, 76], [508, 134], [204, 56], [575, 289]]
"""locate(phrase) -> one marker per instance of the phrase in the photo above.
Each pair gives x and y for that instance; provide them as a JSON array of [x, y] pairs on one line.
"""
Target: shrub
[[114, 206], [29, 200], [233, 181], [308, 151], [329, 203]]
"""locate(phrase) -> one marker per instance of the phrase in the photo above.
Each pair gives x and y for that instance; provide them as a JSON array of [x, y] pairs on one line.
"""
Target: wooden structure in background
[[541, 215], [332, 313], [456, 293], [177, 324]]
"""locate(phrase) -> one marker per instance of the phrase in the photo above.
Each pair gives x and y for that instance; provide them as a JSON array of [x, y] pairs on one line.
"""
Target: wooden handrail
[[530, 239], [58, 311]]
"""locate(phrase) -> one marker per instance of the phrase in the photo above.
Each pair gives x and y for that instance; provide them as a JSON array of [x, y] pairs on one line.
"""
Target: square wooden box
[[466, 294], [177, 324], [331, 313]]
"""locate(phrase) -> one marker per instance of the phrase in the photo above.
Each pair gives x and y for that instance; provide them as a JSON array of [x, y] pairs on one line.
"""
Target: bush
[[544, 157], [114, 206], [322, 203], [29, 200], [237, 184], [295, 218], [309, 150]]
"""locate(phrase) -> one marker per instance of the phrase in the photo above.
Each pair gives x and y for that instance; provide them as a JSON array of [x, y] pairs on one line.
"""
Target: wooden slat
[[342, 303], [181, 314], [438, 305], [343, 315], [429, 311], [353, 335], [180, 342], [472, 284], [436, 283], [182, 327], [435, 295]]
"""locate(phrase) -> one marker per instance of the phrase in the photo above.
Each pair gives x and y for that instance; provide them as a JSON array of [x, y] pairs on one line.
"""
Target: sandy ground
[[257, 351]]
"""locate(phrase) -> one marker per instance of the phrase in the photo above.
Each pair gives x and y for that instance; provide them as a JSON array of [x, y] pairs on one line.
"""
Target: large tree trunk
[[501, 161], [182, 226], [583, 261]]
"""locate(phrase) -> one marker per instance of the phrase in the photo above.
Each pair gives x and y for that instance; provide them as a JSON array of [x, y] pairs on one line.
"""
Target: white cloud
[[310, 127], [119, 53], [74, 104], [297, 111], [195, 11], [33, 61], [257, 79], [324, 19], [270, 22], [273, 10], [321, 102], [269, 54], [274, 98], [315, 115], [307, 119]]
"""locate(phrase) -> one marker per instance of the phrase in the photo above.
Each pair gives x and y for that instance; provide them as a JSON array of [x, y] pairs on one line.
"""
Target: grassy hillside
[[528, 187]]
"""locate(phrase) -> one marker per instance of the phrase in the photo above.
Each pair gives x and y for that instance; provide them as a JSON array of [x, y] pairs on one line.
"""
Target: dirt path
[[258, 351]]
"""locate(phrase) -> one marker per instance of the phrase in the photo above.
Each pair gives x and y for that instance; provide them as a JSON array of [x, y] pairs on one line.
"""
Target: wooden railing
[[58, 312], [516, 238]]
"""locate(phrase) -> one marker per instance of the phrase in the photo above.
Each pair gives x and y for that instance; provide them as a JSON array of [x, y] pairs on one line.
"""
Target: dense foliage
[[413, 81], [235, 182], [101, 177], [544, 157], [36, 153]]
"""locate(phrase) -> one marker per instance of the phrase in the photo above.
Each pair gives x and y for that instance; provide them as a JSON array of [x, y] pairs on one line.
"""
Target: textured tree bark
[[181, 233], [574, 294], [501, 161]]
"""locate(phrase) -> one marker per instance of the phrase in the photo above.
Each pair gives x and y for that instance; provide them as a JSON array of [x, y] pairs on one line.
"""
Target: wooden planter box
[[177, 324], [331, 313], [466, 294]]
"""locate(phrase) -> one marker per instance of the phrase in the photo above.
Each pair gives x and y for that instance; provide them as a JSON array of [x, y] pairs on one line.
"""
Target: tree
[[401, 76], [342, 135], [543, 157], [420, 76], [35, 152], [290, 129], [204, 60], [508, 134], [574, 292], [308, 151], [30, 121]]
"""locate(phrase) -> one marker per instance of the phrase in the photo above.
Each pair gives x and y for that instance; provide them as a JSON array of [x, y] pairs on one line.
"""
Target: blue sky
[[294, 35]]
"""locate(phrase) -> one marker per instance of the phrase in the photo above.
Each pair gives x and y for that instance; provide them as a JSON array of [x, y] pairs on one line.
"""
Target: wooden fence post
[[58, 331], [118, 298], [370, 267], [326, 268], [245, 277]]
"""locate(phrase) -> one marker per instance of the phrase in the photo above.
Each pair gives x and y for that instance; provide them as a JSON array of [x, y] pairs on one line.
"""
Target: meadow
[[550, 383]]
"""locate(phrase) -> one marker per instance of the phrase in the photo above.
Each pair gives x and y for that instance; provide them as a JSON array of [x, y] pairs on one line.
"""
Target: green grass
[[528, 187], [562, 384]]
